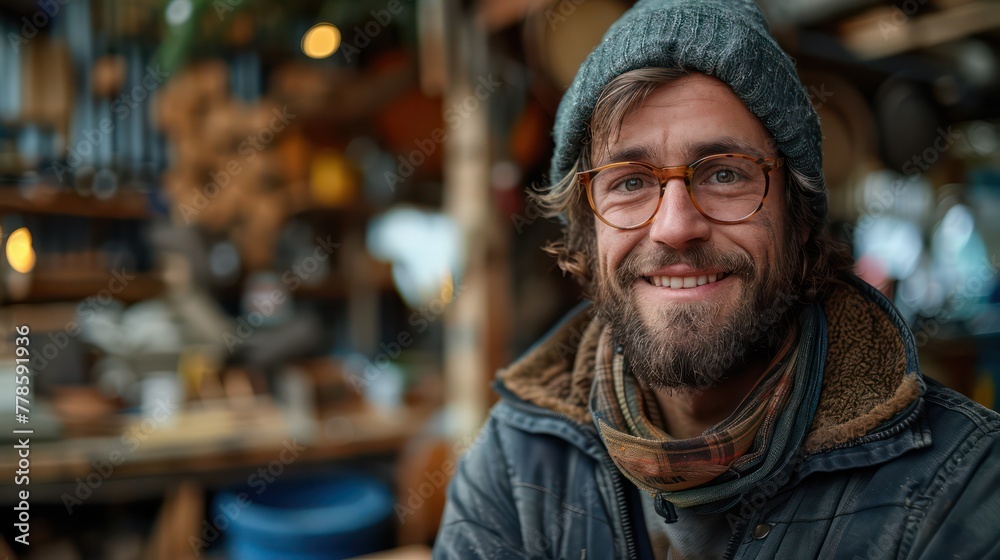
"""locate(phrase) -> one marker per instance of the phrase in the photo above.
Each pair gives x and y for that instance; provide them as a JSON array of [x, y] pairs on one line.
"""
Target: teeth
[[682, 282]]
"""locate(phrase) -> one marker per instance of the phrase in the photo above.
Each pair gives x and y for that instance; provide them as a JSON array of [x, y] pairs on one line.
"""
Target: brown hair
[[824, 256]]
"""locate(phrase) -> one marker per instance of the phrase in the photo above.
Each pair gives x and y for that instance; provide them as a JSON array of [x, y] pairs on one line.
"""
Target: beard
[[698, 345]]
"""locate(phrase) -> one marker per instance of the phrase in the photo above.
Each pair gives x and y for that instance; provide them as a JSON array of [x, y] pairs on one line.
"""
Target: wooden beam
[[891, 31], [470, 327]]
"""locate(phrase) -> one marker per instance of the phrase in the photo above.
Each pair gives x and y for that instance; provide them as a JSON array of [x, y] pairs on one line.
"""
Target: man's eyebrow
[[632, 153], [692, 151], [723, 145]]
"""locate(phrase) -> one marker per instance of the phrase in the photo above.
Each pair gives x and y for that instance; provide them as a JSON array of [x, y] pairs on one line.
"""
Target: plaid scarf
[[755, 441]]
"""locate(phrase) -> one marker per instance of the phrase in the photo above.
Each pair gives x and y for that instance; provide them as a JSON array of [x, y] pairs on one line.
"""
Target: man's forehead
[[688, 151], [693, 116], [689, 85]]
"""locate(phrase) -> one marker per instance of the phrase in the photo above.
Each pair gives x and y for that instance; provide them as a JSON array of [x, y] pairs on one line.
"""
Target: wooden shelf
[[190, 445], [124, 205], [50, 287]]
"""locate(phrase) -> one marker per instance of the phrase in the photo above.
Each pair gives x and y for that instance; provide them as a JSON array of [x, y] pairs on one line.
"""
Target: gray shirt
[[693, 537]]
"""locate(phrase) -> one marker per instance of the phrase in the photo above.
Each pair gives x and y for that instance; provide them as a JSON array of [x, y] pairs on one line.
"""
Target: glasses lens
[[728, 188], [625, 196]]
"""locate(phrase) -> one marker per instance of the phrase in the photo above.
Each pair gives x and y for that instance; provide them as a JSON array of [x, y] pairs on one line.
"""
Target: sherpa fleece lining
[[865, 382]]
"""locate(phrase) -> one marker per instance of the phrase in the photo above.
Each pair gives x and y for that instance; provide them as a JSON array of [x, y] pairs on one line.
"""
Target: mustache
[[639, 261]]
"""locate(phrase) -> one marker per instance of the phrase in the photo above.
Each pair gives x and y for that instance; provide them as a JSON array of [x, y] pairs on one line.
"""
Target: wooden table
[[202, 441]]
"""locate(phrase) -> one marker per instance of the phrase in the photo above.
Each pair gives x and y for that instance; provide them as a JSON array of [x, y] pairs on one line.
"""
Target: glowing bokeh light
[[322, 40], [20, 254]]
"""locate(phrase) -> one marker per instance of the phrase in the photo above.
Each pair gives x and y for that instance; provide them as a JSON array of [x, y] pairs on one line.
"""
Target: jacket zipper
[[609, 466], [734, 542], [620, 495]]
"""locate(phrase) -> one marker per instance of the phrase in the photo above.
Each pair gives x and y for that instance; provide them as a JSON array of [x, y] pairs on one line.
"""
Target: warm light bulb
[[322, 40], [20, 254]]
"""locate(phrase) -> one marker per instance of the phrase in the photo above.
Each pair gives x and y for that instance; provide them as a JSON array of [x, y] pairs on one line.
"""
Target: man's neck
[[687, 413]]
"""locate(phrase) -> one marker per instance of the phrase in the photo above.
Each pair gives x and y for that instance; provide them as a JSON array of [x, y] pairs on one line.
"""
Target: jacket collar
[[869, 404]]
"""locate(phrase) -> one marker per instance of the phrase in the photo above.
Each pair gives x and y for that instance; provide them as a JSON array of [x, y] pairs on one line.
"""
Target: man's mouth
[[684, 282]]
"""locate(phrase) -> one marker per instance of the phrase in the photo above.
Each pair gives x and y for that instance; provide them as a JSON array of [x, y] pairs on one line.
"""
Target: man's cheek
[[607, 271]]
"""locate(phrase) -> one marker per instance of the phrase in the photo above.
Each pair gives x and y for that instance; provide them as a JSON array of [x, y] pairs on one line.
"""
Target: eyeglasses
[[725, 188]]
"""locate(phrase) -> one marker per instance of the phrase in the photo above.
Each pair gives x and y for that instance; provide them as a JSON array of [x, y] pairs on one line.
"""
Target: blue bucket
[[307, 519]]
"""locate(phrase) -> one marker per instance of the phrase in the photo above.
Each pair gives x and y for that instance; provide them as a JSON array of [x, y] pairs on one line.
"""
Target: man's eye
[[725, 176], [632, 184]]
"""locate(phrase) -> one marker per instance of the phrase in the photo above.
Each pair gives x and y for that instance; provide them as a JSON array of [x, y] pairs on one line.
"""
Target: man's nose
[[677, 222]]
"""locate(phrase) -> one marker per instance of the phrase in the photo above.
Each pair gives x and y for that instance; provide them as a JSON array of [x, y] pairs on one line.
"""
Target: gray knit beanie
[[727, 39]]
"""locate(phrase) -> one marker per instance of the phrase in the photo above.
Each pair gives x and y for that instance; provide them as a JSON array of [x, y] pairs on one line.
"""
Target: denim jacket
[[924, 484]]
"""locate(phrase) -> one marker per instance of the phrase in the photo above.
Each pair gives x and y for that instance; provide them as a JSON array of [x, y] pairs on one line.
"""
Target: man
[[733, 391]]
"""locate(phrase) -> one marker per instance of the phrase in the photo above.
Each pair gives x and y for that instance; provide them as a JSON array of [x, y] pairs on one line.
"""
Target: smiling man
[[732, 390]]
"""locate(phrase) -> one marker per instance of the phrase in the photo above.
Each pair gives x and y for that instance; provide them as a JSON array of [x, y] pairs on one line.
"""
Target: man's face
[[694, 337]]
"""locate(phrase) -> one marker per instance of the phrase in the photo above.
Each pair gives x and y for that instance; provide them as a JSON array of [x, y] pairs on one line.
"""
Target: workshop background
[[268, 255]]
